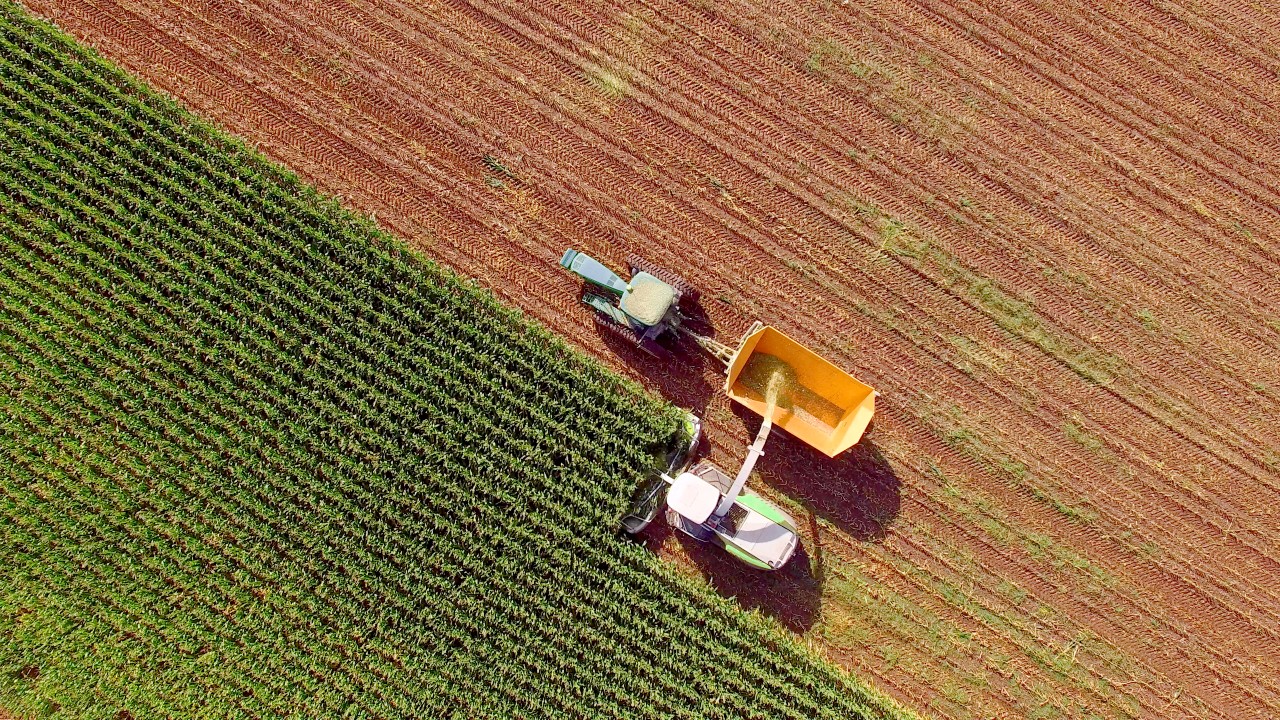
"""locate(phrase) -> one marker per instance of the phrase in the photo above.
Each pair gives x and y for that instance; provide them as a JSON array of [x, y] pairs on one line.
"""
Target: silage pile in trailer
[[776, 382]]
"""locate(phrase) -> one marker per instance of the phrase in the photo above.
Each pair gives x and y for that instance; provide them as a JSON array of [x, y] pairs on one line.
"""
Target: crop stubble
[[1107, 165]]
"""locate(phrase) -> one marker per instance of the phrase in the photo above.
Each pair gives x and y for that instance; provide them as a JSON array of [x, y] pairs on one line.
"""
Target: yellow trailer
[[824, 407], [829, 409]]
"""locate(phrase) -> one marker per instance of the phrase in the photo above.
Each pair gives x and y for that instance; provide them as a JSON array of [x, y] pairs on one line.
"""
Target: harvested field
[[1045, 231]]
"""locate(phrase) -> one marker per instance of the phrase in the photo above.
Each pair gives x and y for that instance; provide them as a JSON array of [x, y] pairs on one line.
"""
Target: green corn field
[[258, 460]]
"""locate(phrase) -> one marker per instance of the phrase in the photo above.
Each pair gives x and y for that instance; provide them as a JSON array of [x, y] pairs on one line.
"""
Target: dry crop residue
[[1042, 230]]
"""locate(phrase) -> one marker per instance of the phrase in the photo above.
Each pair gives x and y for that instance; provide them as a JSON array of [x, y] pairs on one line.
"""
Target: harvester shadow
[[857, 491], [791, 595]]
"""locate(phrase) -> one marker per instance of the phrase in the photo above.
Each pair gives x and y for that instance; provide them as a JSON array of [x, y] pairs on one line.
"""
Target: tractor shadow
[[678, 377], [858, 491], [791, 595]]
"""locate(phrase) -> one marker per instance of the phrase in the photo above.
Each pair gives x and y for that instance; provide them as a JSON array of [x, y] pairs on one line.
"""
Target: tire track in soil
[[1201, 64], [1142, 121], [1176, 273], [1084, 147], [478, 214], [1123, 107], [1227, 33]]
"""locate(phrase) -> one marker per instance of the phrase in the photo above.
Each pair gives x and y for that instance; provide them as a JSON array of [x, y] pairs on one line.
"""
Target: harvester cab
[[640, 310], [769, 373]]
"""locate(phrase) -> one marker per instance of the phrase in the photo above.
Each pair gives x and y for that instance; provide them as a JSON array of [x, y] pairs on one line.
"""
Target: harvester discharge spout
[[748, 464]]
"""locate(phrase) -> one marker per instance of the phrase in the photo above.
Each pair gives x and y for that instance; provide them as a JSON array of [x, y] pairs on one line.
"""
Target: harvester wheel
[[684, 290]]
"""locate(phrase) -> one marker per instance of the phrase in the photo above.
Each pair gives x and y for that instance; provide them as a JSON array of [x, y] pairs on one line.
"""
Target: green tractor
[[641, 310]]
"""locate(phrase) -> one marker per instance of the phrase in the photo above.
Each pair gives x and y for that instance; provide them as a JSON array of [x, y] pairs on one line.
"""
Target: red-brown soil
[[1045, 231]]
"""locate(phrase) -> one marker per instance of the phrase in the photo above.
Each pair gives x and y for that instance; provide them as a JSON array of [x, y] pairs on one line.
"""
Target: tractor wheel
[[607, 325], [628, 336], [684, 291]]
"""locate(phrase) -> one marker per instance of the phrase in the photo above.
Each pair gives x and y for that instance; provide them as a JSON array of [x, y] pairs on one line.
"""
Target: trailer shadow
[[858, 491], [791, 595]]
